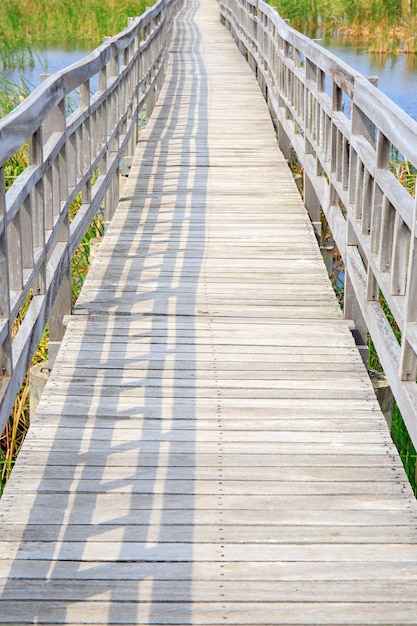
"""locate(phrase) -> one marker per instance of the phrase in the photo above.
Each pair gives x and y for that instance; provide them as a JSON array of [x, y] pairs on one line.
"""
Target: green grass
[[10, 96], [24, 24], [405, 447], [383, 25]]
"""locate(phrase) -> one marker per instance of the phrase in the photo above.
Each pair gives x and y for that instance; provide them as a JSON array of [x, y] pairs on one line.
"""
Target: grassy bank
[[385, 26], [25, 24]]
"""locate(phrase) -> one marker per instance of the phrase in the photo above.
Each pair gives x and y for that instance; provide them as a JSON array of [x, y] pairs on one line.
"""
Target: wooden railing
[[71, 156], [343, 130]]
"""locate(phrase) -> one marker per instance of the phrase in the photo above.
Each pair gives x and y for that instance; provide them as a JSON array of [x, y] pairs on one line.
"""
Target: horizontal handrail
[[71, 155], [343, 130]]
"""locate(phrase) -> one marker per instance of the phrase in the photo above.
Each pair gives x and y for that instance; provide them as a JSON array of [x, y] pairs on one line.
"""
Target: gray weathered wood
[[344, 148], [36, 240]]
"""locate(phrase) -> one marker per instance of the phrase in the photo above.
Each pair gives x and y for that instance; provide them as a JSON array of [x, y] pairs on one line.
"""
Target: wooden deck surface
[[208, 449]]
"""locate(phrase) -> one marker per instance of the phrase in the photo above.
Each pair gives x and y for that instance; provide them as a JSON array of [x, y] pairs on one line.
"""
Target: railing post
[[151, 99], [284, 141], [56, 197], [112, 127], [134, 79], [37, 202], [100, 127], [409, 340], [311, 201], [6, 362], [86, 140], [358, 192]]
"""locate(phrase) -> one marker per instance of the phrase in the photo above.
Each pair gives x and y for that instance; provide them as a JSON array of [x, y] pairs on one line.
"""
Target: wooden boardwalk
[[208, 449]]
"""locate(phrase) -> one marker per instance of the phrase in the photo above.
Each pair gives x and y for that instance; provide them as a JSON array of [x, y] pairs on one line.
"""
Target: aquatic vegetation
[[24, 24], [385, 26]]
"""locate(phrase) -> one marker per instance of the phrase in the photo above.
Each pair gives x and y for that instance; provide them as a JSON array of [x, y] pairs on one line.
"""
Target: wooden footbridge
[[208, 448]]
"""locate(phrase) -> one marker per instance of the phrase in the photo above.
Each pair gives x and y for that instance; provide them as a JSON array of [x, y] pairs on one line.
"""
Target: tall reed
[[24, 24], [383, 25]]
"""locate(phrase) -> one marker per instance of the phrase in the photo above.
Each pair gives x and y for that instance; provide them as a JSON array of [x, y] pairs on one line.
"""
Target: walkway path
[[208, 449]]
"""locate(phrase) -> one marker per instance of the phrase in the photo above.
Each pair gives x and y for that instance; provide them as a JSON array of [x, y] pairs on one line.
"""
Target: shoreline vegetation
[[380, 26], [25, 24]]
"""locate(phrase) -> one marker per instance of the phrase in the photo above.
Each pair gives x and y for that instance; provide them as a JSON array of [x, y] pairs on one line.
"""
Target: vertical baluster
[[408, 365], [14, 240], [311, 200], [377, 203], [56, 123], [367, 201], [86, 152], [48, 204], [346, 164], [38, 211], [101, 124], [310, 75], [359, 186], [6, 361], [383, 147], [387, 236], [335, 139], [320, 125], [361, 125], [112, 195], [400, 254]]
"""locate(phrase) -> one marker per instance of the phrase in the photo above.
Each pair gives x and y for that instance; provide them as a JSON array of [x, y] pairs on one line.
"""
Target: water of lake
[[45, 61], [397, 74]]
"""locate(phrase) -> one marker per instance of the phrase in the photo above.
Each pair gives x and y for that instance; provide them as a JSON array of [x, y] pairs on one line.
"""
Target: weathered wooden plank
[[140, 393], [109, 473], [120, 435], [129, 458], [258, 614], [128, 407], [111, 505], [219, 484], [359, 424], [107, 551], [264, 591], [274, 533], [400, 572]]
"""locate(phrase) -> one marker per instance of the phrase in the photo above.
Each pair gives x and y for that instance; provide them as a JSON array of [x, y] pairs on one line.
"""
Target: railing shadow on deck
[[343, 131], [372, 218], [133, 569], [70, 156]]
